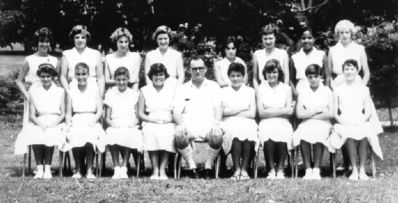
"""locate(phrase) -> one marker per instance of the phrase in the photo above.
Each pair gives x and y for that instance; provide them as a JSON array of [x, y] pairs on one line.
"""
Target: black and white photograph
[[198, 101]]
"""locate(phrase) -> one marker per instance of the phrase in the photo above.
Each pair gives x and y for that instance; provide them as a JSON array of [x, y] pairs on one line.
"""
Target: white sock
[[211, 156], [187, 155], [40, 168]]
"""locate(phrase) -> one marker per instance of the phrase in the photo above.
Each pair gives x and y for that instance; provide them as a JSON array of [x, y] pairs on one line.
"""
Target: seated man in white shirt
[[198, 114]]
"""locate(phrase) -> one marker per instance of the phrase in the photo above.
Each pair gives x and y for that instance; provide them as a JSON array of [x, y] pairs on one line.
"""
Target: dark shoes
[[193, 174]]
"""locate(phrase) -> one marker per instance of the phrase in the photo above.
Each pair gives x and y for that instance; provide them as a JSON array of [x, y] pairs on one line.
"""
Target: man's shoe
[[193, 174]]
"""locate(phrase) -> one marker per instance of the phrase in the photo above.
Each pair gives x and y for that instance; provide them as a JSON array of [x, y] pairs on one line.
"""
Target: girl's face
[[81, 75], [272, 76], [344, 35], [122, 82], [80, 41], [308, 40], [350, 72], [158, 79], [163, 40], [268, 40], [123, 44], [314, 80], [236, 79], [46, 79], [230, 51], [43, 46]]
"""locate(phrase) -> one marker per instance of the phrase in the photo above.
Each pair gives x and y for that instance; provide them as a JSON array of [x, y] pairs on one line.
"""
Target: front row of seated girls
[[155, 105]]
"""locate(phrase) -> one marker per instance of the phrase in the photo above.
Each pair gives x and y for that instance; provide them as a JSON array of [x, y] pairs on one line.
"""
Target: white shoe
[[154, 177], [354, 175], [123, 172], [363, 176], [308, 174], [90, 176], [316, 174], [271, 175], [280, 175], [47, 172], [116, 173], [77, 175], [39, 172], [163, 178]]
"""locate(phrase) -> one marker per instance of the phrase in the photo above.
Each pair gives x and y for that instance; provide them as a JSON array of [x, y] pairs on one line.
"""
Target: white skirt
[[240, 128], [276, 129], [313, 131], [124, 136], [359, 132], [81, 133], [159, 136], [32, 134]]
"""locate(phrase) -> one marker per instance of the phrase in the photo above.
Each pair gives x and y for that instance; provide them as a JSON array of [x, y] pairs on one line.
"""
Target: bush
[[11, 100]]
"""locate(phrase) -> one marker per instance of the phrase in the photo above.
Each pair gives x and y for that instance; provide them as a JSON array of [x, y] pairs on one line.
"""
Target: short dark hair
[[121, 71], [43, 34], [270, 66], [46, 68], [269, 29], [79, 29], [236, 67], [83, 66], [313, 69], [157, 68], [352, 62]]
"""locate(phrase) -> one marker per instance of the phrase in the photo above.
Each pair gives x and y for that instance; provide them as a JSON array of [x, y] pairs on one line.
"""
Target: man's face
[[198, 70]]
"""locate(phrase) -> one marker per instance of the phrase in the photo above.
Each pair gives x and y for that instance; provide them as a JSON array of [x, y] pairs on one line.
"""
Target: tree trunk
[[390, 112]]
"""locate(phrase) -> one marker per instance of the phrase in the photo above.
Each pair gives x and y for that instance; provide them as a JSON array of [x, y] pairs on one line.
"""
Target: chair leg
[[373, 165], [23, 165], [292, 163], [333, 163], [29, 158], [67, 163], [97, 164], [297, 149], [179, 168], [217, 166], [138, 164], [61, 164], [255, 165], [175, 165]]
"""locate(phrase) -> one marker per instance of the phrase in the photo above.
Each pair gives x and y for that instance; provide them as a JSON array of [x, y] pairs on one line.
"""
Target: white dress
[[302, 60], [31, 78], [170, 60], [223, 64], [314, 130], [131, 61], [84, 108], [48, 107], [159, 105], [353, 51], [351, 101], [277, 129], [88, 56], [262, 58], [234, 126], [123, 105]]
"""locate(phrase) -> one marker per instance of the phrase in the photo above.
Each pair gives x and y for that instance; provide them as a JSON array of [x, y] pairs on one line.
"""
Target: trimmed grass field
[[14, 188]]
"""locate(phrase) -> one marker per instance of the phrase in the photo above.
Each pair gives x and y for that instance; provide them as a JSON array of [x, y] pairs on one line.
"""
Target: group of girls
[[282, 88]]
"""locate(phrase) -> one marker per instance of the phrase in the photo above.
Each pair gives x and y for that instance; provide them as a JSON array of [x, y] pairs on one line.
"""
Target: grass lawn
[[14, 188]]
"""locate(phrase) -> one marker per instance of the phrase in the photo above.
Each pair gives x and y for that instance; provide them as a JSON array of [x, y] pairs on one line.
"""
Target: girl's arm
[[273, 112], [336, 108], [218, 76], [326, 71], [100, 75], [180, 70], [367, 106], [292, 73], [251, 112], [100, 107], [108, 79], [255, 73], [327, 113], [141, 110], [19, 81], [64, 74], [147, 68], [285, 68], [365, 67], [108, 120], [301, 112], [135, 79], [136, 121], [245, 77], [330, 67]]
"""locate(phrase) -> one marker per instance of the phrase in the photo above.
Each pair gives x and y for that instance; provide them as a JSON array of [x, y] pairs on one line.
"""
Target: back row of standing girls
[[276, 103]]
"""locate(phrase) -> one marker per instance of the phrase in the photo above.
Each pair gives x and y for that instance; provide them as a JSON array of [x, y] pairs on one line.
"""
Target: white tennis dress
[[235, 126], [123, 112], [48, 107]]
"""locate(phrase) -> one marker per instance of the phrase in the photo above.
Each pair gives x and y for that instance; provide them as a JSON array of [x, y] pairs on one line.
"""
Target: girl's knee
[[181, 142], [215, 142]]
